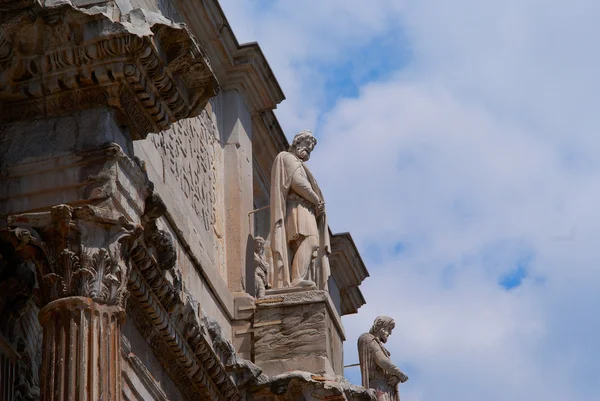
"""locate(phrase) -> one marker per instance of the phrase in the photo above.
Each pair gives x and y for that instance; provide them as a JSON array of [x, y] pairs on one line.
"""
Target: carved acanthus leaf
[[97, 276], [101, 277], [85, 252]]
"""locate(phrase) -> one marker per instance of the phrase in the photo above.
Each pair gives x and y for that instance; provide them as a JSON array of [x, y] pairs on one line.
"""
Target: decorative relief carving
[[81, 252], [170, 319], [188, 150], [154, 79], [97, 276]]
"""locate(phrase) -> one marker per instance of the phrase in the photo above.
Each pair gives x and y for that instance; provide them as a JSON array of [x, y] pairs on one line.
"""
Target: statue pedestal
[[296, 329]]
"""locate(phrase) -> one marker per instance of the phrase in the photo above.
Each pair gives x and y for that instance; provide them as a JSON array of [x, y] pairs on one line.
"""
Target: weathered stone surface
[[81, 252], [297, 331], [185, 165], [144, 379], [81, 350], [81, 263], [20, 341], [57, 59], [304, 386], [236, 134]]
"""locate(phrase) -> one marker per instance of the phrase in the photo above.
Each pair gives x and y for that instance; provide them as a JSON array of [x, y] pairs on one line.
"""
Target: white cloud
[[483, 147]]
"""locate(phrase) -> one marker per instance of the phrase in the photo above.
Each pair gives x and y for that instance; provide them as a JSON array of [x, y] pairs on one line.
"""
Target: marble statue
[[378, 371], [300, 241], [261, 268]]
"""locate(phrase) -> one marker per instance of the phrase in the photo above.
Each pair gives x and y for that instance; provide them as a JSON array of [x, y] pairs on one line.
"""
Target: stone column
[[81, 350], [82, 264]]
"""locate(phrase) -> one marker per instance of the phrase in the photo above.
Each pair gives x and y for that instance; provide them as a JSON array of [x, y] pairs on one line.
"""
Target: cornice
[[57, 60], [173, 322], [348, 270], [242, 67], [176, 325]]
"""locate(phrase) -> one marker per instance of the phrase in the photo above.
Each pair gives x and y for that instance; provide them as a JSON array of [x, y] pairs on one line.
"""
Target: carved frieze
[[68, 60], [188, 151]]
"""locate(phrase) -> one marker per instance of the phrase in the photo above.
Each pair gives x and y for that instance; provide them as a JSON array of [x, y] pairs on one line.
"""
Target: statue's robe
[[293, 216], [260, 275], [377, 368]]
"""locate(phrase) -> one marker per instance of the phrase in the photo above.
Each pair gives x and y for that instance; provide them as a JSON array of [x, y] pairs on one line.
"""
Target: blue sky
[[458, 143]]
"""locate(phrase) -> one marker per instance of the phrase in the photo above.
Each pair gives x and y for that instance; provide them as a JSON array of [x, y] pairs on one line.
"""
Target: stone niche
[[298, 331]]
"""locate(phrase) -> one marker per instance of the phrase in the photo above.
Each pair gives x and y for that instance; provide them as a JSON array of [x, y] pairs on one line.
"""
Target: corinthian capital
[[77, 252]]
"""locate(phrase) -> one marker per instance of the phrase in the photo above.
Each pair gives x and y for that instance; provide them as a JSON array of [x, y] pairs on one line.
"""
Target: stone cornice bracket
[[178, 335], [159, 240], [55, 60], [82, 252]]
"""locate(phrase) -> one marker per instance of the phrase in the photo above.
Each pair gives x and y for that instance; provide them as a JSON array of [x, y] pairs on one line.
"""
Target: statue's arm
[[302, 187], [384, 362]]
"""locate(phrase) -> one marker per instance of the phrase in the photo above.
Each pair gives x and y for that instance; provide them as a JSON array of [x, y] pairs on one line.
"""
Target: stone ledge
[[308, 386]]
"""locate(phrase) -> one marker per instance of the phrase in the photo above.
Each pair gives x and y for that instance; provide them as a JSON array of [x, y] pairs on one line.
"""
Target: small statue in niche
[[261, 268], [378, 371]]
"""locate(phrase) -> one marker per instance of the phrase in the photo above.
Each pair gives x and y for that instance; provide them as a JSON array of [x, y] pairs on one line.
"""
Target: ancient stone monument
[[137, 138], [299, 233], [377, 370]]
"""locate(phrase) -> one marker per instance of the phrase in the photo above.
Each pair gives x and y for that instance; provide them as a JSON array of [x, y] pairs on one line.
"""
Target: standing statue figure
[[378, 371], [300, 240], [261, 268]]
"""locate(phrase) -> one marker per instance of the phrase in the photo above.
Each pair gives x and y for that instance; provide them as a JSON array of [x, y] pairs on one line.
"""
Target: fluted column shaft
[[81, 350]]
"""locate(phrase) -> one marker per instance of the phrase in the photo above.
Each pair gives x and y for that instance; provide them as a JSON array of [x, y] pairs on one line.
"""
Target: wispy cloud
[[467, 132]]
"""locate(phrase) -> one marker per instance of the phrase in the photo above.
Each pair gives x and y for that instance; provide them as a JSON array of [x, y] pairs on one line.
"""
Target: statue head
[[304, 142], [382, 327], [259, 245]]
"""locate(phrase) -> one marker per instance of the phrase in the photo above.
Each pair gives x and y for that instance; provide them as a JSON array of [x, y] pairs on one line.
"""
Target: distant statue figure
[[261, 268], [378, 371], [300, 241]]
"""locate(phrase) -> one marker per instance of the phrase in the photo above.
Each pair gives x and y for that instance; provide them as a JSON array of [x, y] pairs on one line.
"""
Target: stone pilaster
[[237, 140]]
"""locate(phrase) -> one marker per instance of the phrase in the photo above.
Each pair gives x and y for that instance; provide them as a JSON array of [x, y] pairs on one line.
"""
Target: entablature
[[57, 59]]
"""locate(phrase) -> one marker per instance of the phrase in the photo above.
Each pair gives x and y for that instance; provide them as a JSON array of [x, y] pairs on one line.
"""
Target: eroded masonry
[[159, 237]]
